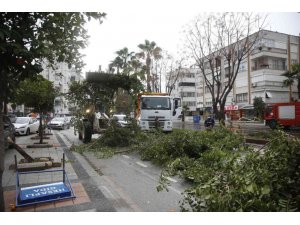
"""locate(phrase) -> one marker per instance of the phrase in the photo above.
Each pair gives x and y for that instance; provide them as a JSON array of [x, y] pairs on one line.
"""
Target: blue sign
[[44, 192]]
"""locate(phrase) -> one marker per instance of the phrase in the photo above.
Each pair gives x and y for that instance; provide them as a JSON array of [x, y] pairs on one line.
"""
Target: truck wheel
[[87, 137], [272, 124]]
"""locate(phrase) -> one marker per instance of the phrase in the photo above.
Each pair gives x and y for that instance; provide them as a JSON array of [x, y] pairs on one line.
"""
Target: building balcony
[[269, 67], [187, 79]]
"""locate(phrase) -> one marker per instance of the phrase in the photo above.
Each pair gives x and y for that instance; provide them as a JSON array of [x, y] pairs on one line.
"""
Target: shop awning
[[268, 94]]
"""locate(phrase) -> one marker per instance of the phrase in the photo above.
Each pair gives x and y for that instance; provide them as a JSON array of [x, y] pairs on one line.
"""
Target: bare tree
[[173, 72], [161, 69], [217, 41]]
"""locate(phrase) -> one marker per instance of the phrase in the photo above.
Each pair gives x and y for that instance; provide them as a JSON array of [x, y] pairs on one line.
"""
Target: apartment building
[[61, 76], [259, 75]]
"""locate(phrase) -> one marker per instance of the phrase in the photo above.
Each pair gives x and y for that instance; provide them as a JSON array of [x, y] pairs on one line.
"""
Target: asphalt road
[[130, 183]]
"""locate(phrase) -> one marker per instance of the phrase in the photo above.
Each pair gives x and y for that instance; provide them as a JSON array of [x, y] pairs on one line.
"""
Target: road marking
[[141, 164], [90, 210], [126, 156], [170, 179], [152, 178], [108, 191]]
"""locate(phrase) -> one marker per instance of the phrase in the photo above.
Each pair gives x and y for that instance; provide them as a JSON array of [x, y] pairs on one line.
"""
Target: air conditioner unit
[[254, 85]]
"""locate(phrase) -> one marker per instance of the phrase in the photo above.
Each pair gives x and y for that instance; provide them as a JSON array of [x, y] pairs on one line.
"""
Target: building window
[[294, 61], [226, 72], [189, 104], [189, 75], [207, 66], [242, 67], [187, 94], [242, 97], [206, 89], [208, 104], [278, 64], [186, 84], [268, 43]]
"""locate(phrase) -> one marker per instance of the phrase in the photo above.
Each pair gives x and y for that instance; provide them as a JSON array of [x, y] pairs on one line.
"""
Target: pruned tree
[[85, 94], [26, 39], [222, 40]]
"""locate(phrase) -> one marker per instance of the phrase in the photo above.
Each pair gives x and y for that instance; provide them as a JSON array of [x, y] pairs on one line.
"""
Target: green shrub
[[116, 136], [164, 148], [245, 180]]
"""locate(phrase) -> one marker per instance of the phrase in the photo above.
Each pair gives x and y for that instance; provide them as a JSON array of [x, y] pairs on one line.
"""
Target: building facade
[[61, 76], [259, 75]]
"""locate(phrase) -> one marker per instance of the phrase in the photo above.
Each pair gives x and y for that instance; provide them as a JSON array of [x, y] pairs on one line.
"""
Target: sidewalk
[[82, 176]]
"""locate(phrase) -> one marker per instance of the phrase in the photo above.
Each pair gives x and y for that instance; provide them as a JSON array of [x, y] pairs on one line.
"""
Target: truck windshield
[[156, 103]]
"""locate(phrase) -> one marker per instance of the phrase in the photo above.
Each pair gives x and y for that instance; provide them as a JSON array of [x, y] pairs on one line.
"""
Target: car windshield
[[22, 120], [158, 103], [58, 119]]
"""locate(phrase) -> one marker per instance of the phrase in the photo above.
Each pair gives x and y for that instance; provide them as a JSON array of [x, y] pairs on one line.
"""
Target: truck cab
[[157, 111]]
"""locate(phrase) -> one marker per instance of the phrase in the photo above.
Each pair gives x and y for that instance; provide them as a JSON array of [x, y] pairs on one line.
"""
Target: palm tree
[[121, 62], [149, 51], [292, 75]]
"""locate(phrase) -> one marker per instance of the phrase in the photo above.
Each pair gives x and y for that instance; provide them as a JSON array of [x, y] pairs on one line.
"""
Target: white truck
[[158, 110]]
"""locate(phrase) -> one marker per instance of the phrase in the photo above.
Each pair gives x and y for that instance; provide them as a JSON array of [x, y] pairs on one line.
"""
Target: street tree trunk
[[41, 130], [148, 64], [2, 206]]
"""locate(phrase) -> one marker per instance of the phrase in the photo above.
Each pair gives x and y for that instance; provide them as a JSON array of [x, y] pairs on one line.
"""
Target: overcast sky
[[129, 22]]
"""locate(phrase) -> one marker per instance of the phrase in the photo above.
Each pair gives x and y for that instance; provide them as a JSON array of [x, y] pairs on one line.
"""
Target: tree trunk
[[219, 113], [41, 130], [148, 64], [1, 156], [221, 117], [22, 152]]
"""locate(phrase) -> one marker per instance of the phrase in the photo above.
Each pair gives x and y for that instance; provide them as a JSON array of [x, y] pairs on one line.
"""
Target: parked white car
[[26, 125], [59, 123], [121, 120]]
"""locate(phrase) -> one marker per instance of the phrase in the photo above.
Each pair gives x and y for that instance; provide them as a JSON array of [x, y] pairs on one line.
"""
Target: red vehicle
[[284, 114]]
